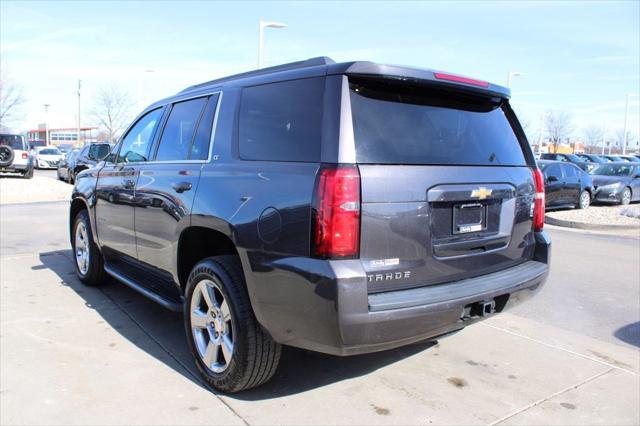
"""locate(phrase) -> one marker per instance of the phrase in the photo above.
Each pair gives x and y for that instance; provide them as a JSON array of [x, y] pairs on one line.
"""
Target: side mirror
[[552, 179]]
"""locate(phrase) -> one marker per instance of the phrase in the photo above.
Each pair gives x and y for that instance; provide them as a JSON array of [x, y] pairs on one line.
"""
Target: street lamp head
[[271, 24]]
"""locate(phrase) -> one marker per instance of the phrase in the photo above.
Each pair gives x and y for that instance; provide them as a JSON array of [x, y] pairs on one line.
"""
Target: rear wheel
[[230, 349], [88, 259], [625, 198], [585, 200]]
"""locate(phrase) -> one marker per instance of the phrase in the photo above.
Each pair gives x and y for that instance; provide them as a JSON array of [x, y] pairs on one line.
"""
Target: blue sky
[[581, 57]]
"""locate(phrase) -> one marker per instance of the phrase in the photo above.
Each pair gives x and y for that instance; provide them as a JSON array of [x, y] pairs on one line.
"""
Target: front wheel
[[625, 198], [585, 200], [229, 347], [88, 259]]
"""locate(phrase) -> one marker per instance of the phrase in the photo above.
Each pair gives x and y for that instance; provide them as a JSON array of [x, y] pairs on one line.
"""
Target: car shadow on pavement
[[630, 334], [136, 317]]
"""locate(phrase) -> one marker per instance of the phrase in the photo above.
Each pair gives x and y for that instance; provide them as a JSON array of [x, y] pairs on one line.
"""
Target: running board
[[167, 304]]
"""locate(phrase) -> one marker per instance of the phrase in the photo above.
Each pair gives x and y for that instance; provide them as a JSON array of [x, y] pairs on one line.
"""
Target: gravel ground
[[601, 215], [41, 188]]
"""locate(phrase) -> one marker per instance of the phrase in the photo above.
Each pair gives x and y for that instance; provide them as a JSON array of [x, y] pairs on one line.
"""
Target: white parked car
[[48, 157]]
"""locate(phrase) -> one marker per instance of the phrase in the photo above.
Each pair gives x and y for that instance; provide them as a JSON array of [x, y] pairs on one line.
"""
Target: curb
[[589, 226]]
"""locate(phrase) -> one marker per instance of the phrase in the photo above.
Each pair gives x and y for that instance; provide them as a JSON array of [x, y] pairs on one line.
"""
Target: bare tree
[[112, 110], [593, 136], [11, 99], [557, 124]]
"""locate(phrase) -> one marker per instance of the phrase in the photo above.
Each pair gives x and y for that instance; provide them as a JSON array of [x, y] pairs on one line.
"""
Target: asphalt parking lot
[[76, 355]]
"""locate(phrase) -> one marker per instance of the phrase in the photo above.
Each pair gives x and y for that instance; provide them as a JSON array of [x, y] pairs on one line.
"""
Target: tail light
[[538, 206], [460, 79], [336, 212], [25, 156]]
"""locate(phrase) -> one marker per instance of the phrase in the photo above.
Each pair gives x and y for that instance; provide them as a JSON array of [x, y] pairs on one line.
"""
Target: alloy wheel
[[211, 326], [82, 248], [626, 196], [585, 199]]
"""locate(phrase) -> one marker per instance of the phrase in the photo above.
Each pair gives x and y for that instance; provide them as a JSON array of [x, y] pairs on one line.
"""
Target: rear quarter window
[[281, 121], [395, 125]]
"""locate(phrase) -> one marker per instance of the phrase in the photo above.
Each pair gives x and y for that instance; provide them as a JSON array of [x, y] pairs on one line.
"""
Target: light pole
[[626, 123], [142, 88], [510, 77], [46, 123], [79, 85], [263, 25]]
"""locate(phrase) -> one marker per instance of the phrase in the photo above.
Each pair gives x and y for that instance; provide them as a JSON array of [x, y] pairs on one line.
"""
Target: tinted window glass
[[136, 144], [397, 124], [200, 147], [281, 121], [98, 152], [177, 136], [14, 141], [50, 151], [553, 170], [570, 171]]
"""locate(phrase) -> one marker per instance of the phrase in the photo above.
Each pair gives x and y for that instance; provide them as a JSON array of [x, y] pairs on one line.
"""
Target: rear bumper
[[15, 168], [335, 314]]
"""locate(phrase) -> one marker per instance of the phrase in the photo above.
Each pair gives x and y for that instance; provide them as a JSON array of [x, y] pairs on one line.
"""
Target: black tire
[[625, 197], [255, 355], [6, 155], [94, 274], [584, 201]]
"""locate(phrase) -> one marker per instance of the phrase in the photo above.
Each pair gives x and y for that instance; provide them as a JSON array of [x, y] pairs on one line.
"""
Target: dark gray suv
[[342, 208]]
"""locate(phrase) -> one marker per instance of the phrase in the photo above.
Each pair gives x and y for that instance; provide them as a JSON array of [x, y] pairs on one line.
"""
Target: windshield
[[14, 141], [50, 151], [574, 158], [397, 124], [612, 170]]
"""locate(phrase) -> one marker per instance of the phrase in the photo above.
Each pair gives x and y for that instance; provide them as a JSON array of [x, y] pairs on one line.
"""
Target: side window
[[553, 170], [175, 143], [200, 147], [136, 144], [281, 121], [570, 171]]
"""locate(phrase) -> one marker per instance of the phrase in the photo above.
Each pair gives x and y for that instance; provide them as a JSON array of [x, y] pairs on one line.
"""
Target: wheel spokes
[[224, 308], [211, 354], [198, 319]]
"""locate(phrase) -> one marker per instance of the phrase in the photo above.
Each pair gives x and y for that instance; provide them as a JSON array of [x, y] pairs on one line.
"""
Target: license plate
[[468, 218]]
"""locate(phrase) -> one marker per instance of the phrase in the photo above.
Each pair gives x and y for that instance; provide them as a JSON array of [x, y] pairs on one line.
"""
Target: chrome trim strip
[[347, 145], [213, 130]]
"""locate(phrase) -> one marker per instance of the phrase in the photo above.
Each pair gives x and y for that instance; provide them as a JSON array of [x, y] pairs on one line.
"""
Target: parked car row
[[589, 161], [82, 159], [568, 185]]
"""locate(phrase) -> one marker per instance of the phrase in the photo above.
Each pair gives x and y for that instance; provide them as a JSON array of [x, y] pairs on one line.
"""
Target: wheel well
[[197, 243], [76, 206]]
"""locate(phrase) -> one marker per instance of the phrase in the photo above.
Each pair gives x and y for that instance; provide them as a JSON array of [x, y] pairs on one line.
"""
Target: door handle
[[181, 187]]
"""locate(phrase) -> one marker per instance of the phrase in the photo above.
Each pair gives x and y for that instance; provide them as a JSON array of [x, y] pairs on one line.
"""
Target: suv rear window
[[397, 124], [14, 141], [281, 121]]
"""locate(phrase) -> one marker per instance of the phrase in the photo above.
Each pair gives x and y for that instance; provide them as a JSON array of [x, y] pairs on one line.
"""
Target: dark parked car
[[591, 158], [342, 208], [68, 162], [566, 185], [614, 159], [89, 156], [568, 158], [617, 182]]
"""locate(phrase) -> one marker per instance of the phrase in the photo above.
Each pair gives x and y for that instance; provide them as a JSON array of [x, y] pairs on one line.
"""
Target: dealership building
[[65, 135]]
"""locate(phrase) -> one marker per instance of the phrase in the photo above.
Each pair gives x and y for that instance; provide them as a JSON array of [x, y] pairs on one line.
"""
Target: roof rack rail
[[312, 62]]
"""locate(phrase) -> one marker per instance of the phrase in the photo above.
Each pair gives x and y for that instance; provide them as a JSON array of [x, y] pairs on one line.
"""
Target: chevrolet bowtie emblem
[[481, 193]]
